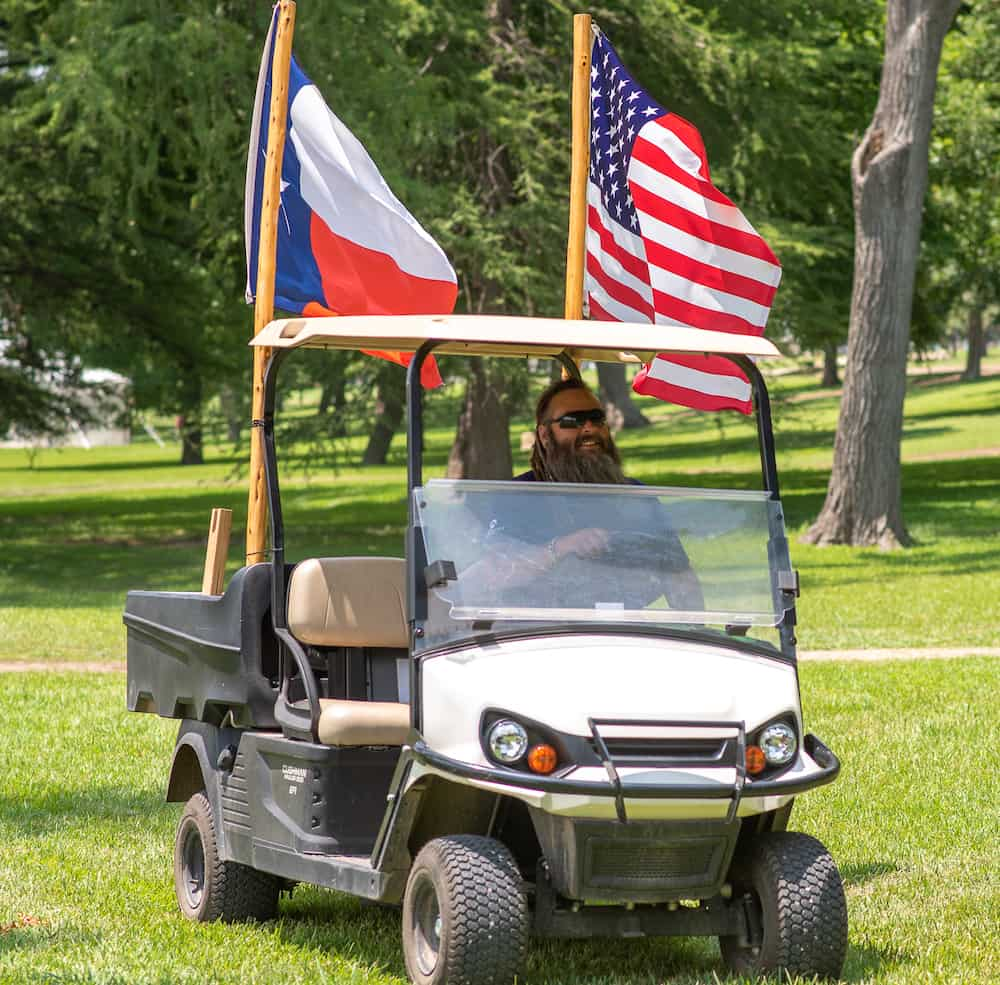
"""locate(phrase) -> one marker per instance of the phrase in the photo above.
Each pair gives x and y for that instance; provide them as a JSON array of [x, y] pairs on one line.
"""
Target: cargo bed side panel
[[200, 656]]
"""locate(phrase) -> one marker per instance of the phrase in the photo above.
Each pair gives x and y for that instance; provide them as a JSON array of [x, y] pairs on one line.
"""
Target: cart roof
[[506, 335]]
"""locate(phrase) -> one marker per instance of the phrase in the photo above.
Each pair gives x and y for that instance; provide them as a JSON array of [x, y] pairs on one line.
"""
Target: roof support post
[[263, 310]]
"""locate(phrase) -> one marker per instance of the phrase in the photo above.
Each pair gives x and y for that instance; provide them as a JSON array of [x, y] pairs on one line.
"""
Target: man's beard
[[569, 463]]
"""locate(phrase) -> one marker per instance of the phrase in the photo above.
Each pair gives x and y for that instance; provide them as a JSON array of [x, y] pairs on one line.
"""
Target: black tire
[[208, 888], [795, 893], [465, 914]]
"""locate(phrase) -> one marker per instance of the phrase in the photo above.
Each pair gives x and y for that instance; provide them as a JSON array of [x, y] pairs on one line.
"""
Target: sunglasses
[[571, 422]]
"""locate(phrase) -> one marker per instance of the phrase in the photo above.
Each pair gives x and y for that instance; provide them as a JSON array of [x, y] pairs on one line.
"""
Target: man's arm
[[682, 588], [511, 562], [684, 591]]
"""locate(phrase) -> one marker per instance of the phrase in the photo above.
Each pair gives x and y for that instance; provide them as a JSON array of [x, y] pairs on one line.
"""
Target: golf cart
[[506, 741]]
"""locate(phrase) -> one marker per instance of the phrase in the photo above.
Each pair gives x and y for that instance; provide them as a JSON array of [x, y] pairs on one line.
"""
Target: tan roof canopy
[[506, 335]]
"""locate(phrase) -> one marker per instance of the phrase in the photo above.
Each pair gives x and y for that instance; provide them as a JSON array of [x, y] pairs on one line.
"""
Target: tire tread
[[485, 909], [807, 932], [234, 892]]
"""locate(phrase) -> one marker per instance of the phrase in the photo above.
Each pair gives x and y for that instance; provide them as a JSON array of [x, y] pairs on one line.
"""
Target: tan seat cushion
[[349, 601], [363, 723]]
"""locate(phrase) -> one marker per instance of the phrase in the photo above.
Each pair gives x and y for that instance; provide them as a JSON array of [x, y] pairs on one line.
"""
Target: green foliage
[[40, 395], [781, 95], [961, 251], [121, 115], [126, 123]]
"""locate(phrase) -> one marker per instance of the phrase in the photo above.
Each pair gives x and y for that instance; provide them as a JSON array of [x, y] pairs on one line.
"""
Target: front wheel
[[794, 895], [465, 915], [209, 888]]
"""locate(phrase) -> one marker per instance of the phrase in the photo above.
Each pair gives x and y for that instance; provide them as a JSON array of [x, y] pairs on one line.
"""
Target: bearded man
[[572, 440], [573, 444]]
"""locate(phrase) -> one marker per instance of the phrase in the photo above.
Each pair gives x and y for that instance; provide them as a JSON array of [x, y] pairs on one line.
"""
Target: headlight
[[779, 744], [508, 741]]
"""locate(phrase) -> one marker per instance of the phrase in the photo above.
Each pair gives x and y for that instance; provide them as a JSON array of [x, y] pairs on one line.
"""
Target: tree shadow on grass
[[954, 496], [57, 812], [341, 925], [136, 465], [23, 934], [653, 960], [889, 564], [857, 874], [937, 415], [369, 935], [864, 962]]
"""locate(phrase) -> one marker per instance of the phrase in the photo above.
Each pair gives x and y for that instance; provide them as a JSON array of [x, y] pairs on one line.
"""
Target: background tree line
[[124, 126]]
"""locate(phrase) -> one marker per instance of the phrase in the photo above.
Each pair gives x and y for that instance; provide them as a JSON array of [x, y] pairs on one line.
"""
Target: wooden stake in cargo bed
[[217, 551]]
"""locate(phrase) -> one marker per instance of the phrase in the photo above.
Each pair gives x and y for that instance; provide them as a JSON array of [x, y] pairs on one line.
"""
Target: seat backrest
[[349, 601]]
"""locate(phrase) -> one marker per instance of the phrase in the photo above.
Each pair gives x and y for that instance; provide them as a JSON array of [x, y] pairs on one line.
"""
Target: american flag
[[664, 245]]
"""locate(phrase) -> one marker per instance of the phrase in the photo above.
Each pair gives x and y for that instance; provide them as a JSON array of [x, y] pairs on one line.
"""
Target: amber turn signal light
[[755, 760], [542, 758]]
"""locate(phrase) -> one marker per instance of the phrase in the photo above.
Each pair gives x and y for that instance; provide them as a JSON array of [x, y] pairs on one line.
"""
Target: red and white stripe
[[694, 261]]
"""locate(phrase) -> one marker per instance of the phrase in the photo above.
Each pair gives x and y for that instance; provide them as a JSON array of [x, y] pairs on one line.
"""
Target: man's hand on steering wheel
[[589, 542]]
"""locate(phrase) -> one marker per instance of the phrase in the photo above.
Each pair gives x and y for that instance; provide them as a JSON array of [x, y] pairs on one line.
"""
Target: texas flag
[[346, 244]]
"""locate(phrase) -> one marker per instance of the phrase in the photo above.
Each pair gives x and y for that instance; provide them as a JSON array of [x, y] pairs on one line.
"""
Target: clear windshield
[[527, 553]]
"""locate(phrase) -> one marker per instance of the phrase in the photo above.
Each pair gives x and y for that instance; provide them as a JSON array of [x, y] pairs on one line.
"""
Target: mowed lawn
[[86, 840], [80, 528]]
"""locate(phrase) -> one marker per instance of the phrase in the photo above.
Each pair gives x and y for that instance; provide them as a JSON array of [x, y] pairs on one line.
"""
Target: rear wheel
[[465, 915], [209, 888], [795, 906]]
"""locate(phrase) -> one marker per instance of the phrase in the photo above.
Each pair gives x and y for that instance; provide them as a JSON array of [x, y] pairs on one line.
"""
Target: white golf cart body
[[648, 694]]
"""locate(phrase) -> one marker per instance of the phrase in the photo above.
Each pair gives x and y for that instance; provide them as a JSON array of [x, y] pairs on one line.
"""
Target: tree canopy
[[125, 125]]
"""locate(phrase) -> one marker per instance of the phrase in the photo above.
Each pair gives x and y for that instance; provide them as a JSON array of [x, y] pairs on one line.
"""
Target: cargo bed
[[224, 659]]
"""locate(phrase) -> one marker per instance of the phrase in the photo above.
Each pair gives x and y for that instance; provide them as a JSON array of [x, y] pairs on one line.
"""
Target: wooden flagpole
[[576, 247], [263, 310]]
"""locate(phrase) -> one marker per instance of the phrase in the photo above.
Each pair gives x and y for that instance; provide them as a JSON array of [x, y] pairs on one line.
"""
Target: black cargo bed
[[200, 656]]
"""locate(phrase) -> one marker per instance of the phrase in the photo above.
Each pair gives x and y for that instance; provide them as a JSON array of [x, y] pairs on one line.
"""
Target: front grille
[[644, 864], [626, 751]]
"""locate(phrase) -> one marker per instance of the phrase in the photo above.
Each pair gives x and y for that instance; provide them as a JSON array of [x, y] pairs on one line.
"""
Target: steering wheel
[[662, 554]]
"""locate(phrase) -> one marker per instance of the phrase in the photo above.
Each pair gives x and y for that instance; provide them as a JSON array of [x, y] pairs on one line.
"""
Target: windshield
[[527, 554]]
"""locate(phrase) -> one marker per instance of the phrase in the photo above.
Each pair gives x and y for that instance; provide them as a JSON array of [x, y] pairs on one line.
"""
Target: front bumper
[[827, 769]]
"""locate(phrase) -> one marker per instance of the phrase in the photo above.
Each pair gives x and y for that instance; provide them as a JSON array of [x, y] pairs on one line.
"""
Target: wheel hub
[[193, 867], [427, 925]]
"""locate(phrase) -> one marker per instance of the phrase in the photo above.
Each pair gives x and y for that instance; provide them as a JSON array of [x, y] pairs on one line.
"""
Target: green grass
[[80, 528], [85, 869], [85, 838]]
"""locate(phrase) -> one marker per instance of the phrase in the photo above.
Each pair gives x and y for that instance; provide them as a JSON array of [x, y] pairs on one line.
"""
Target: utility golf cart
[[506, 741]]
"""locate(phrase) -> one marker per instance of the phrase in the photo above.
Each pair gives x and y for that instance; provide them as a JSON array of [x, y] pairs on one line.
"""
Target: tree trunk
[[229, 405], [333, 402], [977, 344], [192, 452], [830, 375], [481, 449], [189, 419], [333, 395], [389, 405], [889, 178], [616, 395]]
